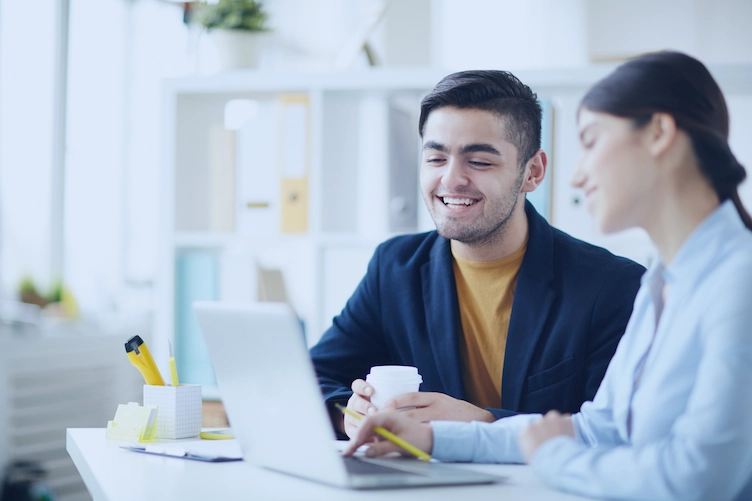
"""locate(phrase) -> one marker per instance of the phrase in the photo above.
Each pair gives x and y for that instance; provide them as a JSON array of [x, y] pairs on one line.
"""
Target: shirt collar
[[701, 248]]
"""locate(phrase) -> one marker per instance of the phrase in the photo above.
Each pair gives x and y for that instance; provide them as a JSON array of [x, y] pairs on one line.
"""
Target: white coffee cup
[[389, 381]]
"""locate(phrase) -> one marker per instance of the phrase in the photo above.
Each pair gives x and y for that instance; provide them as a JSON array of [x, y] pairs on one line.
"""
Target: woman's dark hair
[[496, 91], [677, 84]]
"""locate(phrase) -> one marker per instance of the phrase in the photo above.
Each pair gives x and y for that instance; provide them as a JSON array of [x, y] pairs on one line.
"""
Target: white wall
[[723, 32], [509, 34], [119, 54], [514, 35], [712, 30], [740, 111], [160, 48], [26, 126], [96, 152]]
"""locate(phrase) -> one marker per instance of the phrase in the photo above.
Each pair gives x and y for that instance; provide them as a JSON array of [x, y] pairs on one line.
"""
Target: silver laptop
[[274, 404]]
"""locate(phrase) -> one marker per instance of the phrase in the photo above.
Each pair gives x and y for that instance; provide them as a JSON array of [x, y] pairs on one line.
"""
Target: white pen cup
[[389, 381], [178, 409]]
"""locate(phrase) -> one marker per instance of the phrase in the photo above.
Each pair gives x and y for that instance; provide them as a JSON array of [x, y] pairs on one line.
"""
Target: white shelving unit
[[351, 177]]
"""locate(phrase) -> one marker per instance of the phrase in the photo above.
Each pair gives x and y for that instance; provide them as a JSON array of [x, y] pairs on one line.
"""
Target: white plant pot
[[238, 49]]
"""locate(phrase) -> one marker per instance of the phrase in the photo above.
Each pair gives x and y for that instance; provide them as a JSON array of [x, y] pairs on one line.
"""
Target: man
[[500, 312]]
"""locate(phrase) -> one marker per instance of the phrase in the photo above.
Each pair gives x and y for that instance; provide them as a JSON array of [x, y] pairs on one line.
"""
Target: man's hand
[[551, 425], [417, 434], [437, 406], [359, 402]]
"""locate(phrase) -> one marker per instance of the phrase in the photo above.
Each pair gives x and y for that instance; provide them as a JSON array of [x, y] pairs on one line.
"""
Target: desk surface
[[115, 474]]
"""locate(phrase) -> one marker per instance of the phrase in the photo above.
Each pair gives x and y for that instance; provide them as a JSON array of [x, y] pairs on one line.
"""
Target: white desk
[[115, 474]]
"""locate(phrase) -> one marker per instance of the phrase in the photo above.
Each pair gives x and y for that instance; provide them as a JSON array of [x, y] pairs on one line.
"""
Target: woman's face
[[615, 170]]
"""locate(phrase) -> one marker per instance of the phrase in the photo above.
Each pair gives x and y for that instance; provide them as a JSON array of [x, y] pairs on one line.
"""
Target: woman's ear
[[661, 133]]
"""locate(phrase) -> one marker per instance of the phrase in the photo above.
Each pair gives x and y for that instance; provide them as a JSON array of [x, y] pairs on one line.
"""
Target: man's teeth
[[458, 201]]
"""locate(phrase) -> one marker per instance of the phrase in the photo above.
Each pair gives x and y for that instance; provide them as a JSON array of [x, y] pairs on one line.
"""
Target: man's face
[[470, 175]]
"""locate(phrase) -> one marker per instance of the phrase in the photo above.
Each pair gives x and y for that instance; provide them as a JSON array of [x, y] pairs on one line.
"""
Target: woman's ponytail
[[719, 165], [746, 219]]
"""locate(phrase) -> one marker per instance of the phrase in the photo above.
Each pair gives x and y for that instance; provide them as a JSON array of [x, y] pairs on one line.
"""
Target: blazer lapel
[[532, 301], [442, 316]]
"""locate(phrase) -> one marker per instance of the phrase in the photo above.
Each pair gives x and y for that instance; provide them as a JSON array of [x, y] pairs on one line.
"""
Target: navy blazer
[[570, 309]]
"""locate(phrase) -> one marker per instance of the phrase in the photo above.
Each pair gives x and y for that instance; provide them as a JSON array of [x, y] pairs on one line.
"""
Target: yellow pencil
[[173, 367], [388, 435]]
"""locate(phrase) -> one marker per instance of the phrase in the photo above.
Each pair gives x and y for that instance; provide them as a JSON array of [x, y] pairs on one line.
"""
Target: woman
[[673, 416]]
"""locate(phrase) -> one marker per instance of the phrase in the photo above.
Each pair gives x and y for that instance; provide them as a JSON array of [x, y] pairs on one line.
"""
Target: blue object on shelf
[[196, 279]]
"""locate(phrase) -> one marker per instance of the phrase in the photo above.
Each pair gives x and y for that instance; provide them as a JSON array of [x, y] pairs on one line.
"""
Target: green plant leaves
[[246, 15]]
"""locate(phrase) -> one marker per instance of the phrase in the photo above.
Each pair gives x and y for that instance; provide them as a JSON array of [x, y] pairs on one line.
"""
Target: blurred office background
[[139, 173]]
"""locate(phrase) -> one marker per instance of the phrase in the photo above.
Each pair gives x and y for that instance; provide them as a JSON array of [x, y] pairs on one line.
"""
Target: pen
[[173, 367], [216, 435], [142, 360], [388, 435]]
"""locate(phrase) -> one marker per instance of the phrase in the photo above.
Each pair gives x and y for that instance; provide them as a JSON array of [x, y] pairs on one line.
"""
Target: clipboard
[[181, 453]]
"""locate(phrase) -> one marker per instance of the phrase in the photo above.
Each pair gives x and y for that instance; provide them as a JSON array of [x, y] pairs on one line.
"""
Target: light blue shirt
[[672, 418]]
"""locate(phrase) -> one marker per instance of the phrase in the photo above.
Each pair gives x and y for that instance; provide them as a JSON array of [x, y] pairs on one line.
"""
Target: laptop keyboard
[[358, 467]]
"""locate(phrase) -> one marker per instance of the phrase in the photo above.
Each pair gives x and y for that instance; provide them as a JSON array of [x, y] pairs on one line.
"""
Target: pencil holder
[[179, 409]]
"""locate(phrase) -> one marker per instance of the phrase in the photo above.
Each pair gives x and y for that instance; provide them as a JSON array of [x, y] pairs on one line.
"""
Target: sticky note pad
[[133, 423]]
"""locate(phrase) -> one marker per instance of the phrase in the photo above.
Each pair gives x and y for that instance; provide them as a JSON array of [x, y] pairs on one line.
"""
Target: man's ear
[[660, 133], [535, 171]]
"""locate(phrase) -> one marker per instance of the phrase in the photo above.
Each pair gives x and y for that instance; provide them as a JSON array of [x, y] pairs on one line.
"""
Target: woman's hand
[[418, 434], [551, 425]]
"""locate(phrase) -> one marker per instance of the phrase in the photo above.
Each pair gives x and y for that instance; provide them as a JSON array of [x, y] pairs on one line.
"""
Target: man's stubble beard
[[487, 229]]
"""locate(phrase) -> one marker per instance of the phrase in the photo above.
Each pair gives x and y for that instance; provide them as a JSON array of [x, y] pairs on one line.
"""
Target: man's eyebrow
[[433, 145], [479, 148]]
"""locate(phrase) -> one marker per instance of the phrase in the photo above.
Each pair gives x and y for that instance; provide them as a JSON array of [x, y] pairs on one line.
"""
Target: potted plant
[[238, 28], [58, 303], [28, 292]]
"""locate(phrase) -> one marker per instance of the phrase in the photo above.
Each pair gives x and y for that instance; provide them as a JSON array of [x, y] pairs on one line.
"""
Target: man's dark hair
[[499, 92]]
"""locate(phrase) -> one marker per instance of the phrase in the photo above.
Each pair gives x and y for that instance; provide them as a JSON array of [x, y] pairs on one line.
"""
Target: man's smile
[[456, 202]]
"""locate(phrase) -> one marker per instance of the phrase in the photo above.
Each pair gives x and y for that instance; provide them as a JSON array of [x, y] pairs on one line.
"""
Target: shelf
[[360, 127], [737, 76], [201, 240]]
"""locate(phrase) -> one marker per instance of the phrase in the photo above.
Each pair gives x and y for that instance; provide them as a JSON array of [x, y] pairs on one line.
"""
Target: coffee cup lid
[[394, 372]]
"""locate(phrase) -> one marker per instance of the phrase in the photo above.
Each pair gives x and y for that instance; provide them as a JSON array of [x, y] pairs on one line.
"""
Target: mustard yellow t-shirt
[[486, 293]]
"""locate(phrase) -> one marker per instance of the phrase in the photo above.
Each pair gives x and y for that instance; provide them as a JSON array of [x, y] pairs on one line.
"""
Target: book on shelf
[[257, 189], [221, 179], [295, 157]]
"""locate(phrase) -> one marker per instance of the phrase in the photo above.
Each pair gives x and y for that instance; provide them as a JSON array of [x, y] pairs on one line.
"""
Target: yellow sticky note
[[133, 423]]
